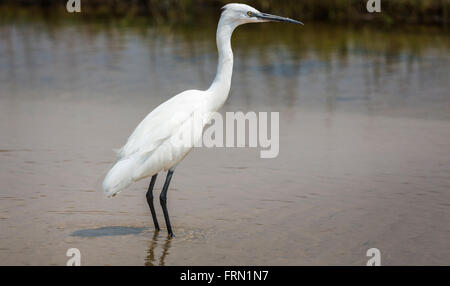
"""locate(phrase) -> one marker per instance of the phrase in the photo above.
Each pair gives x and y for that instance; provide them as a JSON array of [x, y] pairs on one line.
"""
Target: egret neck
[[220, 87]]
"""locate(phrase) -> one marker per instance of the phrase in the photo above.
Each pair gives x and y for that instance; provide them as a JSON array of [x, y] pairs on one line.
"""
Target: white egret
[[151, 147]]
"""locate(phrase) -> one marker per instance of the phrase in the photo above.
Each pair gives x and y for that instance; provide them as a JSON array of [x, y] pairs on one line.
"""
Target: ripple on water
[[191, 234]]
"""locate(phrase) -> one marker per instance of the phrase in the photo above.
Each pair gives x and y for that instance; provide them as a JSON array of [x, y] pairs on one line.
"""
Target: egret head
[[239, 14]]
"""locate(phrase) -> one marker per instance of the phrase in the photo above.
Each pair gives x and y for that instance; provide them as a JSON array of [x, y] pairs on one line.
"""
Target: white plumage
[[156, 144]]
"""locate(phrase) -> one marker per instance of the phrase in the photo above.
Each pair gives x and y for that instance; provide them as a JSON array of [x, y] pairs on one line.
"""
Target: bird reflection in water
[[150, 260]]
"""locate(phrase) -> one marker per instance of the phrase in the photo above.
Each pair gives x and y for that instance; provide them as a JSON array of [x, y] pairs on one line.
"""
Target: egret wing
[[160, 124]]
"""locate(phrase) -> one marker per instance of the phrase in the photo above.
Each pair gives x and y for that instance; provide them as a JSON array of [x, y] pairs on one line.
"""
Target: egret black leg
[[150, 201], [163, 201]]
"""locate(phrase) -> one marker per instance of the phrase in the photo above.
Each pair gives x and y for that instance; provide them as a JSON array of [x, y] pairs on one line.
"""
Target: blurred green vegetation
[[434, 12]]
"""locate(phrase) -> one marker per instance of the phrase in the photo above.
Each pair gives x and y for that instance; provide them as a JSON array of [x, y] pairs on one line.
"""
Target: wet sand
[[352, 173]]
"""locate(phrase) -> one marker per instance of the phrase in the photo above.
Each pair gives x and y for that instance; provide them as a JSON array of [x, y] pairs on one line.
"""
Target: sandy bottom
[[343, 183]]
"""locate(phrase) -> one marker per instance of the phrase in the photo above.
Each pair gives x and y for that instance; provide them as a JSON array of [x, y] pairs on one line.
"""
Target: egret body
[[154, 145]]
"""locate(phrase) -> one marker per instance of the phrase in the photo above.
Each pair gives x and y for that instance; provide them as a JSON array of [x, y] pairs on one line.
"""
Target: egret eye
[[249, 13]]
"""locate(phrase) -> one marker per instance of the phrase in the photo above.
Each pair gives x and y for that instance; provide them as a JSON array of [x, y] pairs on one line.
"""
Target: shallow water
[[364, 146]]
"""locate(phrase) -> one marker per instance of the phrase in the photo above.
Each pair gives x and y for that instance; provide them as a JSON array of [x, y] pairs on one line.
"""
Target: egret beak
[[269, 17]]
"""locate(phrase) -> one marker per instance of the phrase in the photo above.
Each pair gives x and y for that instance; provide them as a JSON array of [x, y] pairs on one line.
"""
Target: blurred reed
[[183, 11]]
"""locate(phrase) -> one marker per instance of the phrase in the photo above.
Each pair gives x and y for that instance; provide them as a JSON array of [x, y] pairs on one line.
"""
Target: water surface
[[364, 145]]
